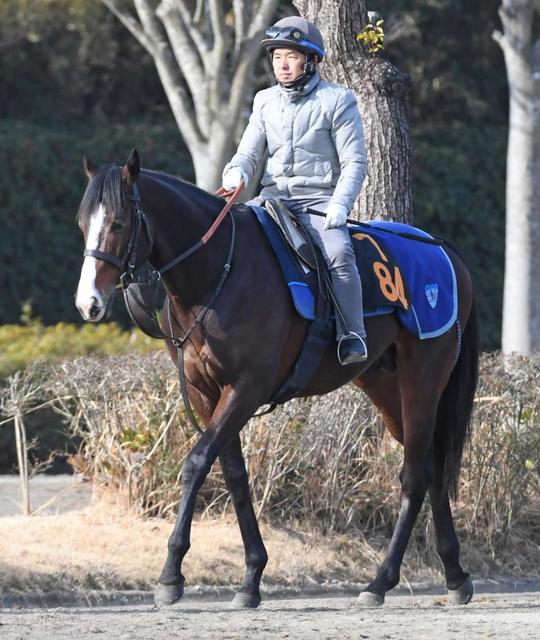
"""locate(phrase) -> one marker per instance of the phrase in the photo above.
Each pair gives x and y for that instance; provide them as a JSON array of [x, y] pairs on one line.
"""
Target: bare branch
[[130, 23], [181, 44], [218, 53], [247, 52], [198, 13], [150, 23], [189, 63], [239, 8], [262, 18], [499, 38], [179, 99], [191, 24]]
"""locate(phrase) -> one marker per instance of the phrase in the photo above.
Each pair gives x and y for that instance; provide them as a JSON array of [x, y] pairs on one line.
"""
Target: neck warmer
[[295, 93]]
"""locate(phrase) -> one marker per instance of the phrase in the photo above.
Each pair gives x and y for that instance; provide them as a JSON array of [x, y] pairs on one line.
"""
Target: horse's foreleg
[[194, 471], [458, 582], [233, 410], [236, 478]]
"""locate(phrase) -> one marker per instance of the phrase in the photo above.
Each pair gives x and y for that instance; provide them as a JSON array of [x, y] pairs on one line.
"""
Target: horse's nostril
[[94, 309]]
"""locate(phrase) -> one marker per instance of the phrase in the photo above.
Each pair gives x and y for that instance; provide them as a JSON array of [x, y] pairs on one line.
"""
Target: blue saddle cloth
[[415, 280]]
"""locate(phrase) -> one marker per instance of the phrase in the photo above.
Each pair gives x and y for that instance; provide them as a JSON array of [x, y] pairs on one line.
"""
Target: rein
[[150, 311]]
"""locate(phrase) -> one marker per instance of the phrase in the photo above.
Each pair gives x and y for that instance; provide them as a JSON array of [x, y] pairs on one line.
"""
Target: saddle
[[321, 328], [403, 271], [308, 254]]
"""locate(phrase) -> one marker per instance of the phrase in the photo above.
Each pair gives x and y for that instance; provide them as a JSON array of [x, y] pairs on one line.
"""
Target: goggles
[[292, 35], [285, 33]]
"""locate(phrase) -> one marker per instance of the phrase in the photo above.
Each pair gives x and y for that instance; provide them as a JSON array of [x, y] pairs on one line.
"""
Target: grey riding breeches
[[336, 247]]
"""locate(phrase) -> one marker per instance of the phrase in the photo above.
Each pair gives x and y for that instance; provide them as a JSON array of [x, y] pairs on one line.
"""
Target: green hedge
[[21, 345], [41, 184], [459, 178]]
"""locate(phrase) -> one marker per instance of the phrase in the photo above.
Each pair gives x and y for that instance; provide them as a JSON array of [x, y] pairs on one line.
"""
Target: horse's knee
[[178, 548], [196, 468], [257, 557]]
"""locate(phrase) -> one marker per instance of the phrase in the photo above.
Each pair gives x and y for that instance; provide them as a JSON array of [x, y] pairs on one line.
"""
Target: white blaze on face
[[87, 294]]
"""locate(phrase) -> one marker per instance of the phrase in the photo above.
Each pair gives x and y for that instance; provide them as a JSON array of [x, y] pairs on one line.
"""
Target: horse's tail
[[456, 405]]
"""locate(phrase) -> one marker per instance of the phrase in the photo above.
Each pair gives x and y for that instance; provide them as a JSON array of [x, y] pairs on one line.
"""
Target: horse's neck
[[178, 224]]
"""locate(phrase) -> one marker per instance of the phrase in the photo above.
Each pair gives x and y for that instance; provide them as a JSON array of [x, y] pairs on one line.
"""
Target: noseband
[[127, 264]]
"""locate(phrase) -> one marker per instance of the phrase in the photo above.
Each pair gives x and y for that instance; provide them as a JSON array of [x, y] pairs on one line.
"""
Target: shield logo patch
[[432, 294]]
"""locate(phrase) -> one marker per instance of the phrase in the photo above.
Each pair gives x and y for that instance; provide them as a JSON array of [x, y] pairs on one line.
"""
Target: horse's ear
[[89, 167], [130, 171]]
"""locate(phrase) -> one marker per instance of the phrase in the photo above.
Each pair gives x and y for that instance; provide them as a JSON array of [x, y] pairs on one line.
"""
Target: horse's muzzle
[[91, 309]]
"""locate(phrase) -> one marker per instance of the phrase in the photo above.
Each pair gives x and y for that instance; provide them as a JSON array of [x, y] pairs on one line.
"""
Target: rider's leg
[[337, 249]]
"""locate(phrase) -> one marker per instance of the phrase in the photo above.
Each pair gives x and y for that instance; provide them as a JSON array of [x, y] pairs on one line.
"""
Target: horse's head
[[111, 233]]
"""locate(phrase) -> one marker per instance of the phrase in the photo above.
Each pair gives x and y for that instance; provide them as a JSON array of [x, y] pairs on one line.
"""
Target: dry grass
[[320, 465], [106, 547]]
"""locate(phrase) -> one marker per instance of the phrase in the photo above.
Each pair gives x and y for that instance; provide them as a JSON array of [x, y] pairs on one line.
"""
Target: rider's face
[[288, 64]]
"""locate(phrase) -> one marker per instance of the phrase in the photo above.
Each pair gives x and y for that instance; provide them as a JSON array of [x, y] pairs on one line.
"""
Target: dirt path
[[49, 495], [89, 552], [515, 616]]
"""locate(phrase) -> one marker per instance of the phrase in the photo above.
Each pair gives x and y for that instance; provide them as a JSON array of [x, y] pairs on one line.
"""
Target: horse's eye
[[117, 226]]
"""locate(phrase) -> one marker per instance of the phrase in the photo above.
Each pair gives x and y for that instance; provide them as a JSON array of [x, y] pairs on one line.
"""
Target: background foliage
[[73, 79], [319, 464], [459, 114]]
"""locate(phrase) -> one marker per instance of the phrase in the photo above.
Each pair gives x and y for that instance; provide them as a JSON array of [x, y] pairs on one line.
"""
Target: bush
[[22, 344], [41, 185], [321, 462]]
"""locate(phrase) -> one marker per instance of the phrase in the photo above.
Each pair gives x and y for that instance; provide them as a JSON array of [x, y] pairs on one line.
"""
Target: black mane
[[106, 187]]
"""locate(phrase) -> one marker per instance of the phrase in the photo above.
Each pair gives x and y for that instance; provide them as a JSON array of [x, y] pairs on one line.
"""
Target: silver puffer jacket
[[315, 143]]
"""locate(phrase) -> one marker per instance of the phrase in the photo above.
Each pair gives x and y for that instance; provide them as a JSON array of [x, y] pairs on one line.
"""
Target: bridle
[[128, 263], [127, 266]]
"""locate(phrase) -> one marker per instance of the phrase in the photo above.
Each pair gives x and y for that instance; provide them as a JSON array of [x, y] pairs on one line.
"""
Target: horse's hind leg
[[236, 478], [422, 376], [458, 582]]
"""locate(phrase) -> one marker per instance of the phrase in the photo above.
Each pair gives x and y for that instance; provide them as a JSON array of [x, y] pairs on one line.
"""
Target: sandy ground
[[74, 552], [49, 495], [100, 546], [514, 616]]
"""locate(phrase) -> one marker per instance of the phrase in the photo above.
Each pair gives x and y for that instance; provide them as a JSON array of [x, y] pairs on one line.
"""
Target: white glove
[[336, 215], [231, 178]]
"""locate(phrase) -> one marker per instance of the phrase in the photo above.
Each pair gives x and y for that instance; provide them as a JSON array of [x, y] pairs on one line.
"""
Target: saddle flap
[[292, 233]]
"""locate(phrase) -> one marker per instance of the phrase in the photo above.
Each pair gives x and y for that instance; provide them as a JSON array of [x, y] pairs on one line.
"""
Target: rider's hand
[[232, 177], [336, 215]]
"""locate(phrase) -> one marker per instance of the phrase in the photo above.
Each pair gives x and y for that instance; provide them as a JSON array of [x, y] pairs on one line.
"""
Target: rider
[[313, 133]]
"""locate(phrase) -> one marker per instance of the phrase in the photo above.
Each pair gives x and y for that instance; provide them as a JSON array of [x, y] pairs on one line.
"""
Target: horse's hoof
[[245, 601], [370, 599], [463, 594], [167, 594]]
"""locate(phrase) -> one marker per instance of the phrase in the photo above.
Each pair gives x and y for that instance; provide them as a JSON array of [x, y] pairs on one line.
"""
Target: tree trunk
[[383, 99], [521, 301], [22, 459], [204, 54]]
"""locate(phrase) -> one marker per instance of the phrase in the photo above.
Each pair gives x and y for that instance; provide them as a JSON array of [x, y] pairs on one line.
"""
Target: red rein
[[233, 198]]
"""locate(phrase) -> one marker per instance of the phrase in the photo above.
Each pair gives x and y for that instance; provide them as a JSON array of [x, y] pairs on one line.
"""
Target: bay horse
[[240, 352]]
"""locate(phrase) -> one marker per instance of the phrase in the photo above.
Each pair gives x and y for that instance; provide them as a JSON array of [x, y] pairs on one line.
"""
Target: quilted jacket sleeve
[[252, 146], [348, 136]]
